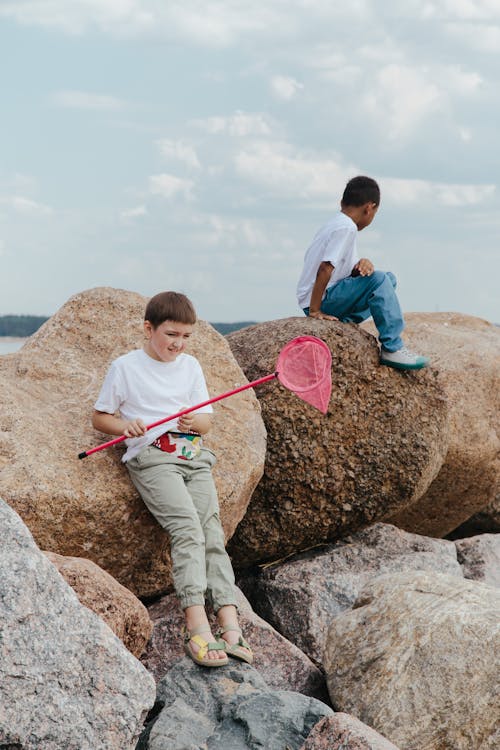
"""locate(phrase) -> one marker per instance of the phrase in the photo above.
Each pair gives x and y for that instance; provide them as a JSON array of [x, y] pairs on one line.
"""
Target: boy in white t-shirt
[[336, 285], [171, 469]]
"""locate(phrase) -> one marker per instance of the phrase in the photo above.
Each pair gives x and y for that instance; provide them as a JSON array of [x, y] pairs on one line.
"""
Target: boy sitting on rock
[[171, 469], [336, 285]]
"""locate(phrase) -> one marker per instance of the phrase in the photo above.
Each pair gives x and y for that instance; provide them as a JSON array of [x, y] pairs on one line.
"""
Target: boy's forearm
[[108, 423], [322, 278]]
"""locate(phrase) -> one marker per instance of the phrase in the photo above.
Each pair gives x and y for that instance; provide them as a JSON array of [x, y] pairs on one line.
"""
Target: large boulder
[[465, 354], [344, 732], [377, 450], [479, 557], [300, 595], [66, 681], [126, 616], [90, 508], [230, 708], [280, 662], [417, 660]]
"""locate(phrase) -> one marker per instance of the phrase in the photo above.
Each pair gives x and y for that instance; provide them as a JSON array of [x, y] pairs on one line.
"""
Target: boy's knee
[[392, 278], [379, 277]]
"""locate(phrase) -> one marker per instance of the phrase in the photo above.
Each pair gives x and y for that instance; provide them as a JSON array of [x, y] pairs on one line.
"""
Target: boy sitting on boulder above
[[172, 470], [336, 285]]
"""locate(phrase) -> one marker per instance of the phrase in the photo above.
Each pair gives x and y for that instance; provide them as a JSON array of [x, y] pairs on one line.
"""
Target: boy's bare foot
[[200, 644], [230, 633], [236, 644], [199, 641]]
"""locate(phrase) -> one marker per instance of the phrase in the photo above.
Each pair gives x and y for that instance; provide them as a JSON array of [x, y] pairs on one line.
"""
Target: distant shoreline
[[13, 339]]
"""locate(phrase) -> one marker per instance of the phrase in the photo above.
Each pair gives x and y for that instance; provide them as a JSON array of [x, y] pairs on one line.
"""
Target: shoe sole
[[401, 366]]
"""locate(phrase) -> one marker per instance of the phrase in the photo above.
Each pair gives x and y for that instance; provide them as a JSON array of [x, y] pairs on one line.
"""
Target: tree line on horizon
[[25, 325]]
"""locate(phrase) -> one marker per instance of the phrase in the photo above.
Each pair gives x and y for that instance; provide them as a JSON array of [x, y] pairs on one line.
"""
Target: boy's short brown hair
[[170, 306]]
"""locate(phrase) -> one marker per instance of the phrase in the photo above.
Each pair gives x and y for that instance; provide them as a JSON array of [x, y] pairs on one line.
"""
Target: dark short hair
[[170, 306], [360, 190]]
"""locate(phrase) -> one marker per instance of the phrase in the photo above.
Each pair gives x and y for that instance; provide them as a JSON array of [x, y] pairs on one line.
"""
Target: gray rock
[[228, 707], [417, 660], [300, 596], [280, 662], [479, 557], [66, 681]]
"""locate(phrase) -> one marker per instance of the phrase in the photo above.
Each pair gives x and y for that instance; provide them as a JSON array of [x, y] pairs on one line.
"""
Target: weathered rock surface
[[417, 660], [465, 354], [122, 611], [280, 662], [228, 707], [66, 681], [479, 557], [376, 451], [90, 508], [300, 596], [487, 521], [344, 732]]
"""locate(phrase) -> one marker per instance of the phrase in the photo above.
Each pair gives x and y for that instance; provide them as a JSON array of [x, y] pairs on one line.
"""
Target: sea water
[[8, 345]]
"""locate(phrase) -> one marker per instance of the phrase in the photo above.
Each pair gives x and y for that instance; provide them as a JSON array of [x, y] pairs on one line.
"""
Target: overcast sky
[[198, 146]]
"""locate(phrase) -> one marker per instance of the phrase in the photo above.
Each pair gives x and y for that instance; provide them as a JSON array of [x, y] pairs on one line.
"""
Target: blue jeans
[[355, 298]]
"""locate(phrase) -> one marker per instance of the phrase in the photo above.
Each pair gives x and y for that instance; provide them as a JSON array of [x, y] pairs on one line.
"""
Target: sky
[[198, 146]]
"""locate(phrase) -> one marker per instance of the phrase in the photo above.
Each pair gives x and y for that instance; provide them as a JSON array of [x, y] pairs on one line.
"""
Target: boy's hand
[[186, 422], [135, 428], [321, 315], [363, 267]]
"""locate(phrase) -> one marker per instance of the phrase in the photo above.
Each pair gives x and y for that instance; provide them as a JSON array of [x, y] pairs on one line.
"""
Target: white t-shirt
[[334, 242], [139, 386]]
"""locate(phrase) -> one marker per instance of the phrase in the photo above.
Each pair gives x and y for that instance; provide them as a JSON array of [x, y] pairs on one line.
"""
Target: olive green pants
[[182, 497]]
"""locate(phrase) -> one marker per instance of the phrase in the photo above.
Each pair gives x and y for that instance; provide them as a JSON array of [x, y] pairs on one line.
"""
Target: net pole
[[121, 438]]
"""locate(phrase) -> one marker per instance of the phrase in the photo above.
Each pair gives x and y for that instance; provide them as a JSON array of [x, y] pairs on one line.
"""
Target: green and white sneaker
[[403, 359]]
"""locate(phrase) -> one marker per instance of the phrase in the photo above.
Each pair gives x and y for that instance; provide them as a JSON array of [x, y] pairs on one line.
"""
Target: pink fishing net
[[304, 367]]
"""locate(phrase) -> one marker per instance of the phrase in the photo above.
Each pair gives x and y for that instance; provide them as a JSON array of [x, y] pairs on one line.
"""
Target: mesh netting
[[304, 367]]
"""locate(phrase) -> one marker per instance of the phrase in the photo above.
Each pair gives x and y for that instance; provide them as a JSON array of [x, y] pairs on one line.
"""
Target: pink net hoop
[[304, 366]]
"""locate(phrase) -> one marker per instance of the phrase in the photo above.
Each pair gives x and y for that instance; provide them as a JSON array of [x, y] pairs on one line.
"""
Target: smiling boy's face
[[167, 341]]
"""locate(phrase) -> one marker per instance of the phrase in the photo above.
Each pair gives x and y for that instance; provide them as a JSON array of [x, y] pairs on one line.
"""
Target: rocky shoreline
[[372, 631]]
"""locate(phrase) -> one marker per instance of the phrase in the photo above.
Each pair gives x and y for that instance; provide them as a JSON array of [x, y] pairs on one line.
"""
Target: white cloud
[[239, 125], [86, 100], [232, 232], [169, 186], [464, 10], [26, 206], [77, 16], [179, 151], [408, 192], [318, 177], [277, 167], [401, 99], [218, 23], [285, 87], [481, 37], [134, 213]]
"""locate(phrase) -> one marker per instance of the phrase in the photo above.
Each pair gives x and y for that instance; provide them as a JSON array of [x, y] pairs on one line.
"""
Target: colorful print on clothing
[[186, 445]]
